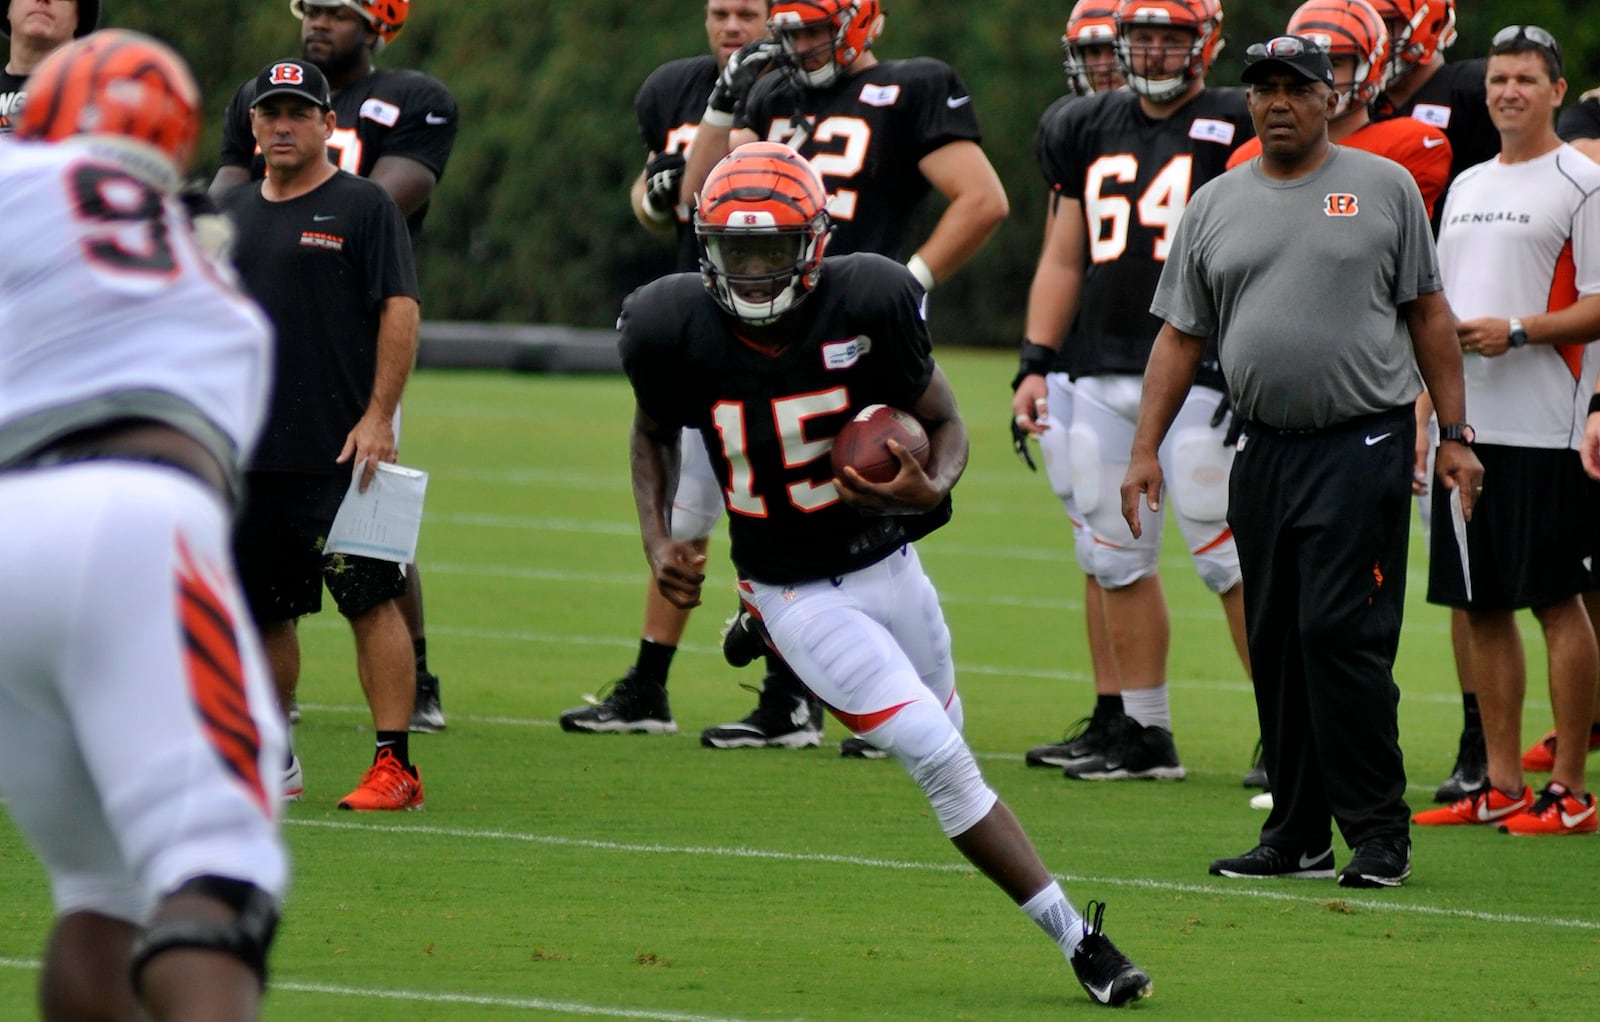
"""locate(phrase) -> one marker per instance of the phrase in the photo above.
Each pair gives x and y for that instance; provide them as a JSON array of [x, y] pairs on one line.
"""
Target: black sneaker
[[782, 719], [1105, 972], [626, 706], [1381, 862], [1471, 772], [1086, 741], [744, 639], [1256, 776], [860, 748], [1264, 862], [1139, 753], [426, 713]]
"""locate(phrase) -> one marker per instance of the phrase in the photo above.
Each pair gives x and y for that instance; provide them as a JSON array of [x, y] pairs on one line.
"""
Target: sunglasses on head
[[1282, 46], [1512, 34]]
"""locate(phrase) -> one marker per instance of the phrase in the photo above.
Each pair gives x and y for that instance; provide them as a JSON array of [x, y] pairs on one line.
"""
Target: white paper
[[1458, 521], [384, 521]]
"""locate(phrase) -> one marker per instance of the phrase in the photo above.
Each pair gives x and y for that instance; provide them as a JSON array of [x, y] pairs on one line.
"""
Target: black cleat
[[1471, 771], [1105, 972], [1265, 862], [1085, 743], [426, 713], [626, 706]]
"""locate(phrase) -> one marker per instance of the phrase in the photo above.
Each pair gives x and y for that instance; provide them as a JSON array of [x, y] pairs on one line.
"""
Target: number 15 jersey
[[1133, 176]]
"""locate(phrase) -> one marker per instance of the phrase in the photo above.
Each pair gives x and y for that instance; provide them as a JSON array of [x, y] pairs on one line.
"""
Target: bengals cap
[[293, 78], [1287, 53]]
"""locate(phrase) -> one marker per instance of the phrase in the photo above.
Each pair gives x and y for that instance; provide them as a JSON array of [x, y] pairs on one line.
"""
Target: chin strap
[[247, 937]]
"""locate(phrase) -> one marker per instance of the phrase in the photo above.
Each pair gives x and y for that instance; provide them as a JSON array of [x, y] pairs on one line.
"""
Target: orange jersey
[[1423, 150]]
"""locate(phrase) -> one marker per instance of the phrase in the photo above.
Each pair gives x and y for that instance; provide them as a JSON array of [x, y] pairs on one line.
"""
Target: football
[[863, 443]]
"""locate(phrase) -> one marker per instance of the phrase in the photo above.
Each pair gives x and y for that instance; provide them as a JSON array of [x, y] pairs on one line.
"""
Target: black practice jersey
[[1580, 120], [12, 93], [866, 135], [1043, 140], [768, 419], [1133, 176], [1455, 102], [387, 113], [321, 266], [668, 107]]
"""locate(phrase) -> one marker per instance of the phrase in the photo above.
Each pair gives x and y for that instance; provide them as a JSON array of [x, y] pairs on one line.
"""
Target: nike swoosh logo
[[1378, 439], [321, 217], [436, 118], [955, 101], [1487, 815], [1101, 994], [1432, 143], [1570, 821], [1307, 861]]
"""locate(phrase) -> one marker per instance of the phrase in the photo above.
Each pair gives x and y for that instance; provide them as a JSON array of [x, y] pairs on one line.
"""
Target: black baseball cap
[[1287, 53], [293, 78]]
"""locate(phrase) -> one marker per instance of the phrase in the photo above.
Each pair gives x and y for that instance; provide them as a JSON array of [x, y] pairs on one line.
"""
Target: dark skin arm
[[913, 487], [653, 455], [1167, 379]]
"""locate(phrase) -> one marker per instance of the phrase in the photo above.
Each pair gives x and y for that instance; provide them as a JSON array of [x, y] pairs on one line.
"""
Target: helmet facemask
[[762, 271]]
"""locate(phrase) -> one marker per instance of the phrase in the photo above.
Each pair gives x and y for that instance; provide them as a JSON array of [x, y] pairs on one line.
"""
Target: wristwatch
[[1459, 432], [1519, 336]]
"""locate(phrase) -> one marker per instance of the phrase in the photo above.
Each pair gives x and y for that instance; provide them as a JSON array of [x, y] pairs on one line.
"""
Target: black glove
[[663, 176], [740, 73], [1019, 443], [1235, 424]]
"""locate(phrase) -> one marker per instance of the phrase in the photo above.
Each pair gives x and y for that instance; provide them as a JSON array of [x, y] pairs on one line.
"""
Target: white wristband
[[920, 270], [717, 118]]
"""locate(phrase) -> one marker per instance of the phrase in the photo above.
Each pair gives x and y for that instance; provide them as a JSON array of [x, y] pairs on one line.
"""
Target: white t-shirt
[[1517, 240], [104, 294]]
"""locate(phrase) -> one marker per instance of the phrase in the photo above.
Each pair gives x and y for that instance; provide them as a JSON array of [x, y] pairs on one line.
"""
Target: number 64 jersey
[[1133, 175], [769, 403], [108, 309]]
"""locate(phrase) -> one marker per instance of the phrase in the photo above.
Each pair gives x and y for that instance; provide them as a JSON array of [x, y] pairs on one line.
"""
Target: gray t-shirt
[[1302, 281]]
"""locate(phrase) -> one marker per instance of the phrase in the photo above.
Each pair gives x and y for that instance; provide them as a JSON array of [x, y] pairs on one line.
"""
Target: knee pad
[[247, 937], [954, 786], [1117, 567], [1198, 481], [695, 508], [1083, 546], [1083, 454], [1218, 566]]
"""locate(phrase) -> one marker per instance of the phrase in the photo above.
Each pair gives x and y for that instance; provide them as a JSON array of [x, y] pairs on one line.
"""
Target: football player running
[[139, 736], [394, 126], [883, 134], [1091, 66], [1123, 165], [767, 355]]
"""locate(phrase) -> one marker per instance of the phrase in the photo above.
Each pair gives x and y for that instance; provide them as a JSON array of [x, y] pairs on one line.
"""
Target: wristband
[[920, 270], [1036, 360], [717, 118], [1594, 403]]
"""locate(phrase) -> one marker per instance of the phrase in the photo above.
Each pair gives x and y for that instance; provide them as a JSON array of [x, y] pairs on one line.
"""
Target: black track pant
[[1322, 522]]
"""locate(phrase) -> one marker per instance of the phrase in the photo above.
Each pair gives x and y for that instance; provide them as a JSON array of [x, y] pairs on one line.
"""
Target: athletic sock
[[1056, 917], [1109, 704], [419, 648], [1149, 706], [397, 742], [655, 660], [1471, 719]]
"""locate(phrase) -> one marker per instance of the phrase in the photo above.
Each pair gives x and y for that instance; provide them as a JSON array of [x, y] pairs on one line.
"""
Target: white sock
[[1148, 706], [1056, 917]]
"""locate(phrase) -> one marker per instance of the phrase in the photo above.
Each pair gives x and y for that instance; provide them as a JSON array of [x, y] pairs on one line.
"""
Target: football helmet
[[853, 24], [1422, 28], [386, 17], [122, 88], [1091, 23], [88, 20], [762, 223], [1202, 17], [1348, 28]]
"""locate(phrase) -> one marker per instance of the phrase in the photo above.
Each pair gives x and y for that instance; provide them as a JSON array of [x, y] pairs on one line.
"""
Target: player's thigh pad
[[1054, 446], [1104, 409], [1197, 465], [697, 504], [140, 742]]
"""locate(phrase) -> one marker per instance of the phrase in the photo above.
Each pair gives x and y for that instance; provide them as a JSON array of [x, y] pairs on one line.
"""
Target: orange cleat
[[386, 785], [1541, 755], [1558, 811], [1487, 806]]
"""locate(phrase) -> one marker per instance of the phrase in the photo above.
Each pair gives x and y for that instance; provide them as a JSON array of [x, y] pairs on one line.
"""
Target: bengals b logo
[[286, 74], [1340, 204]]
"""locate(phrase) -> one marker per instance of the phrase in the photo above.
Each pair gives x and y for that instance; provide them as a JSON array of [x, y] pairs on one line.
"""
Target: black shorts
[[1531, 534], [278, 544]]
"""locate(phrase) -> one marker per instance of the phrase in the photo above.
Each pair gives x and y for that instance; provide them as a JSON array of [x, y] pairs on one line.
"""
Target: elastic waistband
[[1352, 425]]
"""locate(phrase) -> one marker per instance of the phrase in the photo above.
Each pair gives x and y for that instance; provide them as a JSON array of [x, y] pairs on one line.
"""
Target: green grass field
[[557, 876]]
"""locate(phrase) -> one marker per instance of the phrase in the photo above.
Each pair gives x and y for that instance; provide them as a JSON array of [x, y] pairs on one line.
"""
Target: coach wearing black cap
[[36, 29], [327, 255], [1315, 266]]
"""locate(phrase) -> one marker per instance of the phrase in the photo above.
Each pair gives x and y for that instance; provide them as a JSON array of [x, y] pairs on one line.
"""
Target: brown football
[[863, 443]]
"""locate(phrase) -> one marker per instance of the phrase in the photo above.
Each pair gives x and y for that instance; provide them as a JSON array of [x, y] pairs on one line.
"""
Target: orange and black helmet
[[1348, 28], [762, 223], [118, 84], [387, 17], [1091, 23], [1417, 29], [852, 24]]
